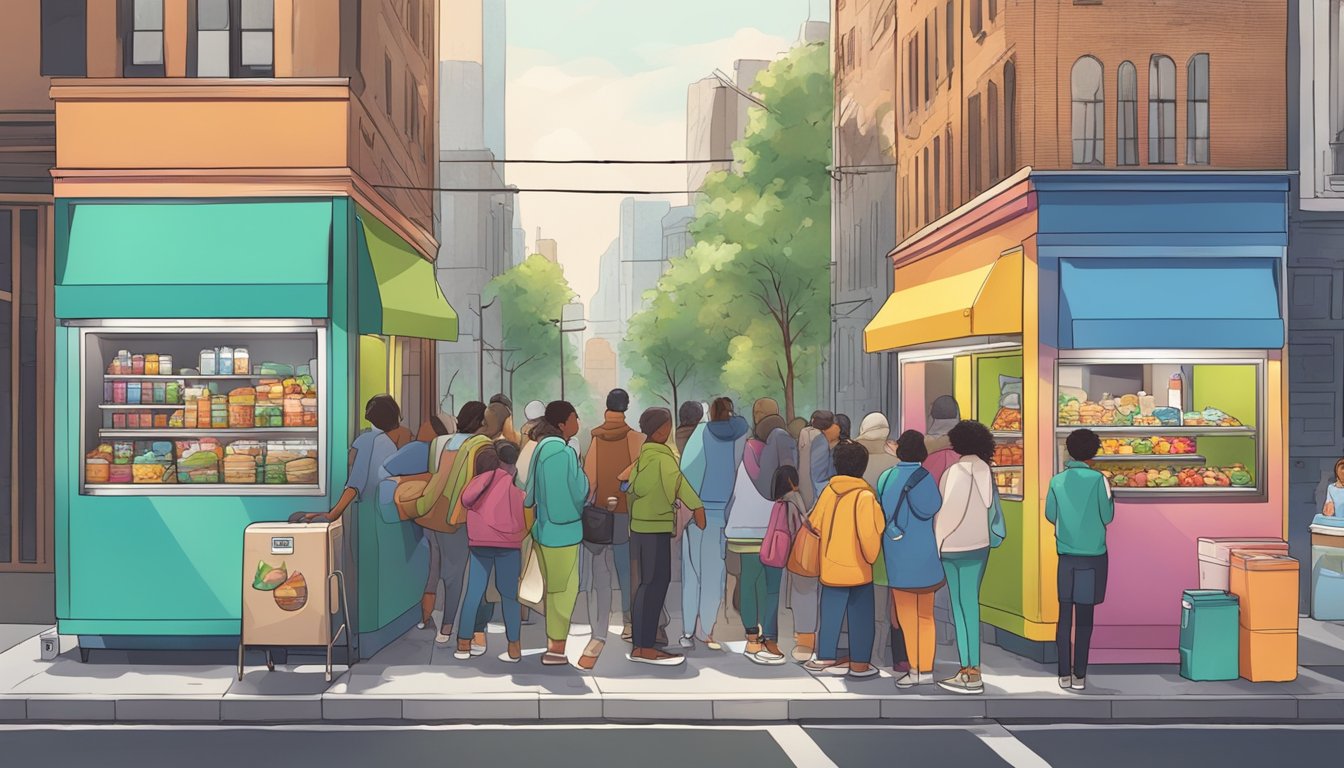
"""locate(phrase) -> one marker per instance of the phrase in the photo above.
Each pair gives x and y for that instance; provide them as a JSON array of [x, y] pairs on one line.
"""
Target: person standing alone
[[1080, 506]]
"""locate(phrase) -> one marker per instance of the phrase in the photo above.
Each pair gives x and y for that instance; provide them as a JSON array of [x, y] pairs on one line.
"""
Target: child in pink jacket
[[495, 533]]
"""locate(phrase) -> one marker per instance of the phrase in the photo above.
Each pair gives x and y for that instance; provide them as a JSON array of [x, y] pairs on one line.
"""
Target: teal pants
[[760, 596], [965, 571]]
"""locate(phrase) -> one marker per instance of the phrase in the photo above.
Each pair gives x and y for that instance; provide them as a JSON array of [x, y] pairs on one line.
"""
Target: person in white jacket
[[962, 528]]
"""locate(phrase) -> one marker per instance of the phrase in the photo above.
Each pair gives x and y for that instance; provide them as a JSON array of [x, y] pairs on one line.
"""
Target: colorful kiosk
[[1147, 306], [207, 377]]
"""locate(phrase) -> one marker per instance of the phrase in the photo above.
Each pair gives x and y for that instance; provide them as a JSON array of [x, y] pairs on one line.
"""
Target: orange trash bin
[[1267, 587]]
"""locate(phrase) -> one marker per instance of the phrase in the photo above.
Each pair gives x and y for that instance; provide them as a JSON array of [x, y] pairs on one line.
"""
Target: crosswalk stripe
[[1007, 746], [799, 747]]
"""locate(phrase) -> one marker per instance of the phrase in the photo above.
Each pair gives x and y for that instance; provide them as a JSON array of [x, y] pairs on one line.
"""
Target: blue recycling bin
[[1209, 635]]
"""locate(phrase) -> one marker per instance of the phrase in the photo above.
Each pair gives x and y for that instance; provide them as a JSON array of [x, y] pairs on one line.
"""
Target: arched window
[[1089, 113], [992, 117], [1197, 110], [1127, 115], [1009, 119], [1161, 110]]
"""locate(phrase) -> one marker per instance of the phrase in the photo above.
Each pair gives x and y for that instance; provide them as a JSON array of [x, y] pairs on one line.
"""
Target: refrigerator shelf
[[1152, 458], [140, 406], [200, 489], [1063, 431], [172, 432], [192, 377]]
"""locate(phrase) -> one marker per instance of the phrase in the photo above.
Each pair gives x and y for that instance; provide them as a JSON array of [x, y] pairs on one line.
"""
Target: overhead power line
[[542, 189], [587, 162]]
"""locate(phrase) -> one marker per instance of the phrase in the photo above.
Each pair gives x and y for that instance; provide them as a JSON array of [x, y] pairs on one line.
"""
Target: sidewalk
[[415, 681]]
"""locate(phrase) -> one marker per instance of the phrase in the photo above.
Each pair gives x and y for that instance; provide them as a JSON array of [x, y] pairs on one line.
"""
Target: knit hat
[[534, 410], [762, 408], [874, 427], [943, 415], [653, 419]]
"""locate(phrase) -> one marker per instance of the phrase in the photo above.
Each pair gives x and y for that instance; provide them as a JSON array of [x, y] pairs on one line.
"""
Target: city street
[[559, 746]]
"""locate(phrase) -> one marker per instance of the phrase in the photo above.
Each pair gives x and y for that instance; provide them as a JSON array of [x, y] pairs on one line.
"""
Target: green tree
[[532, 295]]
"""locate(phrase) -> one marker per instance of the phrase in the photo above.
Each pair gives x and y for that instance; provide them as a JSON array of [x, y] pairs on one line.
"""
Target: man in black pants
[[1080, 507], [654, 486]]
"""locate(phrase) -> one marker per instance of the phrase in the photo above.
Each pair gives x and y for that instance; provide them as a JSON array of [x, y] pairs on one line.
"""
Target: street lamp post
[[567, 315], [480, 346]]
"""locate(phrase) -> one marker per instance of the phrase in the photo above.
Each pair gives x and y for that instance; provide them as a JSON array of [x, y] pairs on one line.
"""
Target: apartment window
[[413, 21], [973, 143], [951, 185], [415, 109], [992, 109], [64, 38], [993, 10], [1009, 118], [1127, 115], [840, 54], [1161, 110], [232, 38], [142, 38], [928, 65], [849, 50], [937, 177], [387, 84], [1197, 110], [933, 47], [911, 76], [977, 23], [257, 40], [950, 29], [914, 65], [927, 199], [919, 213], [1089, 113]]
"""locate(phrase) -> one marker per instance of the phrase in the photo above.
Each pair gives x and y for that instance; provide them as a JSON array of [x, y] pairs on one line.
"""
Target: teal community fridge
[[208, 377]]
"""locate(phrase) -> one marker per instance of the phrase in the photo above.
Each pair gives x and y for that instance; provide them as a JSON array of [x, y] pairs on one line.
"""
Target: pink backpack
[[778, 537]]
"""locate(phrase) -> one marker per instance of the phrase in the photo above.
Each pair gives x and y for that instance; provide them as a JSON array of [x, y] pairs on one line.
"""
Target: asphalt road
[[670, 746]]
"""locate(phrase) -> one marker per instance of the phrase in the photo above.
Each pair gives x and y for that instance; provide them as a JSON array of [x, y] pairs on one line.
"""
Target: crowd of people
[[844, 532]]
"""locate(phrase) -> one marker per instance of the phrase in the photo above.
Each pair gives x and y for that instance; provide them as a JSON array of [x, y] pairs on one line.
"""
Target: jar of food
[[240, 361], [132, 392], [151, 364], [225, 361], [138, 365], [208, 366], [165, 365], [219, 412], [172, 393], [160, 392]]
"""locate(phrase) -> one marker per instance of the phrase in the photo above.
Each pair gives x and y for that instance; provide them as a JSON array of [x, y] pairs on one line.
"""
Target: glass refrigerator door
[[1177, 427], [172, 409]]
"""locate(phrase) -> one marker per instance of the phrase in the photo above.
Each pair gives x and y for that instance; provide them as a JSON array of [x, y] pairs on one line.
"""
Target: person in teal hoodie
[[556, 488], [1080, 506]]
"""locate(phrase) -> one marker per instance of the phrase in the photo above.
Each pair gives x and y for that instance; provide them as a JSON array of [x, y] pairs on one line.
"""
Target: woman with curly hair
[[962, 530]]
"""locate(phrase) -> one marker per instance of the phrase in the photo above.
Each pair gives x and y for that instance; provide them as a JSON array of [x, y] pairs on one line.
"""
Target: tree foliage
[[531, 295], [750, 300]]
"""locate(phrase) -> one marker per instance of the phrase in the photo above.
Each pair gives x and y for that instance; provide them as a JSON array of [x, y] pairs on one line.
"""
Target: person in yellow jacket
[[849, 518]]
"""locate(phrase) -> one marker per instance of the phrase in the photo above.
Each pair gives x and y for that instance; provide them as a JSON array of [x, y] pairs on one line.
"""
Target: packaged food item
[[208, 362], [160, 420], [242, 407], [301, 472], [151, 364], [160, 390], [203, 411], [196, 464], [219, 412], [293, 411], [172, 393], [240, 361], [166, 365], [132, 392], [120, 474], [138, 365], [240, 469], [268, 415], [310, 412], [225, 361], [1175, 385], [1006, 420], [1147, 403], [123, 452], [98, 464], [177, 419], [119, 420], [119, 393]]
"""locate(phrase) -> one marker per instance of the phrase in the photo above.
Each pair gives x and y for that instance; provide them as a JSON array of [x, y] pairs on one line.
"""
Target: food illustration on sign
[[293, 593], [269, 577]]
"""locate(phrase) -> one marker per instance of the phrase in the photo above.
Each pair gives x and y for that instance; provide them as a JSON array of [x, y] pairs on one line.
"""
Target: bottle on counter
[[1175, 385], [208, 358], [225, 361], [240, 361]]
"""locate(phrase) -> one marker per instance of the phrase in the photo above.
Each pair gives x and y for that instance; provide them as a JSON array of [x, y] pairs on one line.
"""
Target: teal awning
[[1193, 303], [195, 260], [399, 294]]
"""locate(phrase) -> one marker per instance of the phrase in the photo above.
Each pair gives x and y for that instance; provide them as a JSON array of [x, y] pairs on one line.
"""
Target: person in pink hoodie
[[495, 531]]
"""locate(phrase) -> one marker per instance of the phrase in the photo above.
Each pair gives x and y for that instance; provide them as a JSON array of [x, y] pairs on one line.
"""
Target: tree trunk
[[788, 378]]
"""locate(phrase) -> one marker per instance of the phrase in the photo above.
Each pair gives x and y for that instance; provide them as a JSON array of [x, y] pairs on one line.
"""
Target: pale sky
[[592, 79]]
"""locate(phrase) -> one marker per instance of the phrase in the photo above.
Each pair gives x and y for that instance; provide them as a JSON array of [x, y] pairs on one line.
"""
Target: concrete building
[[599, 365], [477, 230], [33, 47], [716, 116], [677, 239], [549, 248], [863, 200], [605, 320], [641, 252], [1315, 263]]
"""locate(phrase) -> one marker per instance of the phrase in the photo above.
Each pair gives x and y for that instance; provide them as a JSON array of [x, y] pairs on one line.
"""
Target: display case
[[189, 408], [1180, 424]]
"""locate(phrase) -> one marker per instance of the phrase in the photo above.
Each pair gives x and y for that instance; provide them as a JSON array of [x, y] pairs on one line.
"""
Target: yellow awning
[[979, 301]]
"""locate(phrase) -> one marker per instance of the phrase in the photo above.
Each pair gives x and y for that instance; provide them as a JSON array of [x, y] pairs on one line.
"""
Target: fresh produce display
[[1144, 446], [1009, 455], [1007, 420], [1156, 476], [1135, 411]]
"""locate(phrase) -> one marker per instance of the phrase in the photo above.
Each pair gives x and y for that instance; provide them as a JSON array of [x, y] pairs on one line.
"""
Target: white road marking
[[799, 747], [1006, 746]]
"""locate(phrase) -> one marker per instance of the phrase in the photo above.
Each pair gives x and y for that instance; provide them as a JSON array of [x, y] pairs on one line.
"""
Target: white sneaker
[[506, 658], [765, 657], [686, 642], [1066, 682], [443, 639], [477, 650], [912, 678], [1079, 683]]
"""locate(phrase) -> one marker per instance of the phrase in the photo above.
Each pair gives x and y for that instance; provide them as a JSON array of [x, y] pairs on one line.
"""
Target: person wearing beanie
[[532, 413], [654, 485], [614, 446], [943, 416], [688, 418], [766, 406]]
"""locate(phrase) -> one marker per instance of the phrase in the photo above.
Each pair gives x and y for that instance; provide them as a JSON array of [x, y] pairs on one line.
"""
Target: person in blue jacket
[[710, 465], [914, 571]]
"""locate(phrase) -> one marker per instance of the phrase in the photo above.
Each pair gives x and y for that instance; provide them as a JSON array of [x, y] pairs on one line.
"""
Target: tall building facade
[[716, 116], [677, 239], [1315, 262], [27, 154], [641, 252], [863, 199]]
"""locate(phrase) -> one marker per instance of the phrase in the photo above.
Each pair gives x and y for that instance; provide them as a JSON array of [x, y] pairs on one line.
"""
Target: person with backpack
[[613, 447], [850, 523], [967, 526], [1080, 506], [710, 465], [764, 558], [913, 572], [495, 532]]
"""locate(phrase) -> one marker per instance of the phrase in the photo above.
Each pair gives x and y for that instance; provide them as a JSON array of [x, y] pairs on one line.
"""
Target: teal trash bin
[[1209, 635]]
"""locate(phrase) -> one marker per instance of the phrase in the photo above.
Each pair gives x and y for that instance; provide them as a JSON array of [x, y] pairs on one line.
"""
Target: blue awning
[[1170, 304]]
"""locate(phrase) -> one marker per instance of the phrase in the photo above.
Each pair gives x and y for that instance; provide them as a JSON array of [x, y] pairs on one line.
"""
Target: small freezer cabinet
[[293, 588]]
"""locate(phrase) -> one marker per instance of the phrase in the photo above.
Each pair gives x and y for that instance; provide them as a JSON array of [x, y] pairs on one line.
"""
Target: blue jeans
[[507, 565], [837, 603], [703, 576]]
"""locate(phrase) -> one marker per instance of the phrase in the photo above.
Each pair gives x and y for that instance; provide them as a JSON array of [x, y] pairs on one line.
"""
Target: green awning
[[197, 260], [402, 296]]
